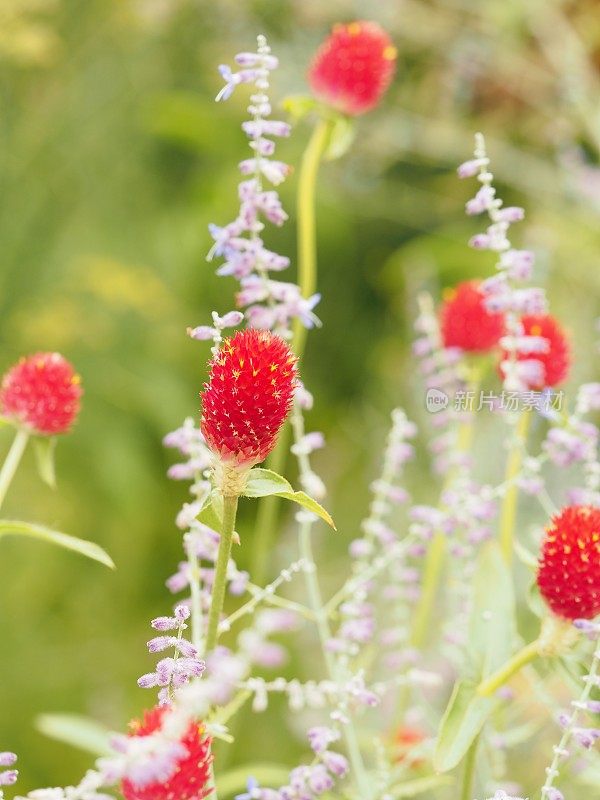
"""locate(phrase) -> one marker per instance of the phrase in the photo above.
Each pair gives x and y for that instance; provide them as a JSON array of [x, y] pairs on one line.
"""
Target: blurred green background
[[114, 158]]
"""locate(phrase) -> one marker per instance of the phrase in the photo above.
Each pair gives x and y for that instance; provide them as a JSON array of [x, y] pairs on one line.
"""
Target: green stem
[[525, 656], [316, 603], [266, 518], [307, 222], [230, 503], [12, 461], [469, 771], [508, 514]]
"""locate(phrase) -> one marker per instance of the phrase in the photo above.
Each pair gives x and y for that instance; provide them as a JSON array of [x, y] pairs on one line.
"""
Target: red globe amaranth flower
[[465, 322], [557, 360], [569, 569], [248, 396], [42, 392], [191, 778], [353, 67]]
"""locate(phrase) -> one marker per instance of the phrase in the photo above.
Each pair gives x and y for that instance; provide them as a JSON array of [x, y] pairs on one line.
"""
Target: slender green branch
[[12, 461], [266, 518], [525, 656], [230, 504], [316, 603]]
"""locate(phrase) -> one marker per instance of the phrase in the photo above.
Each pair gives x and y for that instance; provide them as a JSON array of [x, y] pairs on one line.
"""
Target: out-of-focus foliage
[[113, 159]]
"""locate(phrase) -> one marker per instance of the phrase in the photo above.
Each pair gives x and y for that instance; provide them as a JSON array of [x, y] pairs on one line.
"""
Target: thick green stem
[[307, 222], [517, 662], [230, 503], [468, 780], [268, 508], [508, 514], [12, 461]]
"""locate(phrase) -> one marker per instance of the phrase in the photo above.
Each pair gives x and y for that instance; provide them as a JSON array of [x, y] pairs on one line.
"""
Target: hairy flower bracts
[[180, 771], [465, 321], [248, 397], [569, 570], [353, 67], [8, 777], [520, 366], [175, 671], [268, 303], [42, 392]]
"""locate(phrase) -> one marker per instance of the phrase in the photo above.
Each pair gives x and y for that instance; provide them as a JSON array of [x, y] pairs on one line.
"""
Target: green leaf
[[462, 722], [299, 105], [80, 732], [264, 482], [418, 786], [342, 132], [9, 527], [311, 505], [212, 511], [269, 775], [44, 448], [492, 633]]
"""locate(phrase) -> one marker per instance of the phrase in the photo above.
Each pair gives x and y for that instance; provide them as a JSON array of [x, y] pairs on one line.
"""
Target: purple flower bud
[[160, 643], [8, 777], [164, 623], [7, 759], [336, 763], [147, 681], [201, 333], [186, 648]]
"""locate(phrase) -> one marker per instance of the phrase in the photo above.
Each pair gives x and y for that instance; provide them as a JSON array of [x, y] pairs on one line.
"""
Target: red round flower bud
[[465, 322], [42, 392], [556, 360], [191, 777], [248, 396], [569, 568], [353, 67]]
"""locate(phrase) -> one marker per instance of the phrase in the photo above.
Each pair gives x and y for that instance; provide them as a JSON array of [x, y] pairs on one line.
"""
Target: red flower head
[[556, 361], [191, 778], [353, 67], [42, 392], [569, 569], [465, 321], [248, 396]]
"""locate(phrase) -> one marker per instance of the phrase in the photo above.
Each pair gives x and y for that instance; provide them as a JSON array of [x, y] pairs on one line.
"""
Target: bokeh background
[[113, 160]]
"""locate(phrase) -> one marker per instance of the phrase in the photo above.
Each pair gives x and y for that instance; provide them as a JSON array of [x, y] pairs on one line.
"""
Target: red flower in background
[[191, 778], [556, 360], [248, 396], [465, 321], [353, 67], [42, 392], [569, 569]]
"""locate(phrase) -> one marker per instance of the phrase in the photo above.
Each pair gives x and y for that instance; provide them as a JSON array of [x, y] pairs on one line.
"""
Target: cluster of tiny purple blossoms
[[8, 777], [268, 303], [307, 781], [513, 268]]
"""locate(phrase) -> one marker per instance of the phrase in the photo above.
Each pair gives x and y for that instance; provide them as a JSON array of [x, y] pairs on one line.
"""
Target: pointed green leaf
[[264, 482], [212, 511], [44, 448], [80, 732], [235, 781], [311, 505], [342, 132], [492, 633], [92, 550]]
